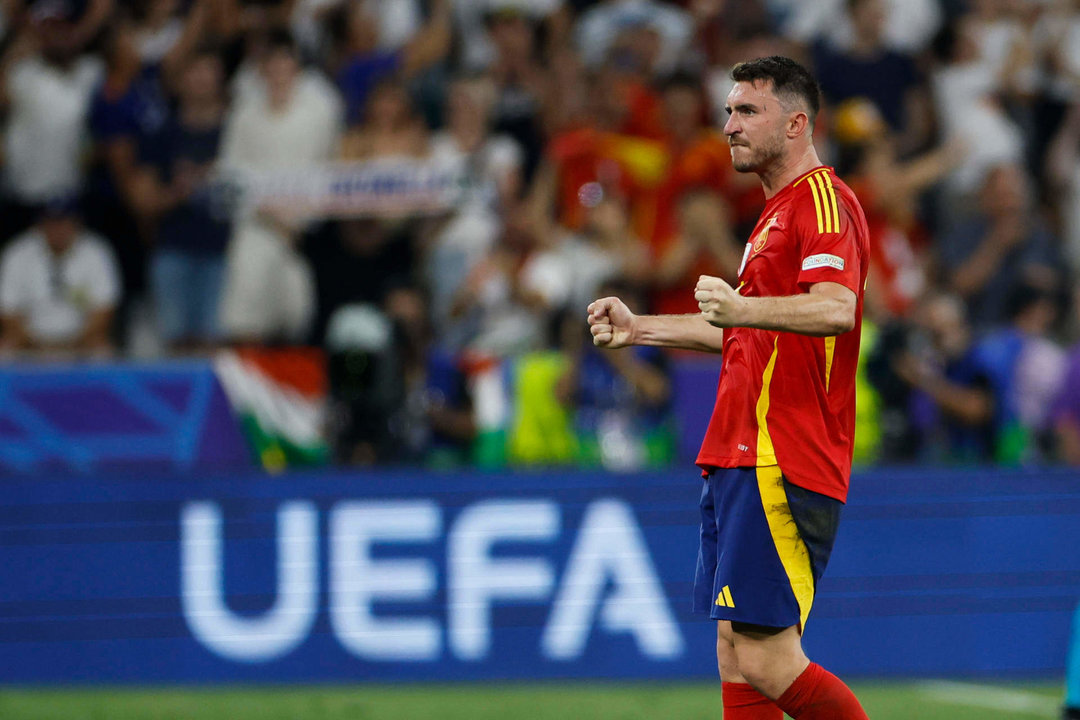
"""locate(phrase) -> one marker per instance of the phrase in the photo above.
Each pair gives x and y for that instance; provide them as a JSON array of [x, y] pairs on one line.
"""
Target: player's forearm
[[682, 332], [805, 314]]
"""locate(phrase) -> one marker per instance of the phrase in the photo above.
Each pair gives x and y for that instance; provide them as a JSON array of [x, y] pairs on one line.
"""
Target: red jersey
[[787, 399]]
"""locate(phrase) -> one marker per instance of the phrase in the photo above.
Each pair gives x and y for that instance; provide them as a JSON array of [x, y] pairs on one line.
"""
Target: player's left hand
[[720, 304]]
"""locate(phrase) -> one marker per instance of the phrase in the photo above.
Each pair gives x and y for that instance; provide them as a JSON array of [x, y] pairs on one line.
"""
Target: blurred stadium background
[[299, 413]]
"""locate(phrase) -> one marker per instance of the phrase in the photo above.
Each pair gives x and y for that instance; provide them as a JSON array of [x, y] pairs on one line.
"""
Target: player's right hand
[[611, 323]]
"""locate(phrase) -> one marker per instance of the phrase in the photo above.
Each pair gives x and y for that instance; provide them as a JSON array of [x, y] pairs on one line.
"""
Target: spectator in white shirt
[[46, 88], [295, 123], [491, 165], [59, 287], [971, 115]]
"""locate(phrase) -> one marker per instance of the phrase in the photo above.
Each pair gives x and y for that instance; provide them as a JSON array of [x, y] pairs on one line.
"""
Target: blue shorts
[[764, 546]]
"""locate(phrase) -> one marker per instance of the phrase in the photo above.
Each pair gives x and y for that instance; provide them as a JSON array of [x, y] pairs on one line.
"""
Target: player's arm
[[613, 326], [827, 309], [828, 277]]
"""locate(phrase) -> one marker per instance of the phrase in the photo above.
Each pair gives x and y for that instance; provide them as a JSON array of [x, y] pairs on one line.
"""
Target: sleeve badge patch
[[823, 260]]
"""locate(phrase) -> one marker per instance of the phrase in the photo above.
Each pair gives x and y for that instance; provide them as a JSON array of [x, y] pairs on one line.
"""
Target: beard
[[755, 159]]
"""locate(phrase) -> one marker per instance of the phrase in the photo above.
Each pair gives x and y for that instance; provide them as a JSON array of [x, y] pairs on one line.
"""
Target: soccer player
[[777, 453]]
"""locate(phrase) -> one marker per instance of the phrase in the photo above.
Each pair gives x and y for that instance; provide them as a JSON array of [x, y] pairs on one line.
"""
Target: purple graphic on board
[[140, 417]]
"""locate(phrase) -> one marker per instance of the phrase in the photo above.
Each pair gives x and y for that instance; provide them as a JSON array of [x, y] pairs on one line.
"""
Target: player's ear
[[798, 124]]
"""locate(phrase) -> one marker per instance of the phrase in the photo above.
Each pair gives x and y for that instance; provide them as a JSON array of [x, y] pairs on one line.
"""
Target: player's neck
[[787, 170]]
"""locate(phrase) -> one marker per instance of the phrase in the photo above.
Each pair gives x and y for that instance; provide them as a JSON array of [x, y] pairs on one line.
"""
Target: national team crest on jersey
[[763, 236]]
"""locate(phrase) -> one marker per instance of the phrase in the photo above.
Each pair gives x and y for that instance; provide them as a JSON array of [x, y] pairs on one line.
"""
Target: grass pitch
[[578, 701]]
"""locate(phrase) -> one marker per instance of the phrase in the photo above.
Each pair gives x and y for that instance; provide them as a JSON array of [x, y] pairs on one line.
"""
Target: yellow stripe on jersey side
[[830, 348], [766, 453], [794, 555]]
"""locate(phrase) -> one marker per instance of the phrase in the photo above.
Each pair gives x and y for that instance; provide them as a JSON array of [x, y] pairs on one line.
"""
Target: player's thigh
[[726, 660]]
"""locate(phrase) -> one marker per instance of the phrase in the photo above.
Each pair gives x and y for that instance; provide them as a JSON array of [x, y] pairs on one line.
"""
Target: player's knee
[[754, 666], [768, 671], [768, 665]]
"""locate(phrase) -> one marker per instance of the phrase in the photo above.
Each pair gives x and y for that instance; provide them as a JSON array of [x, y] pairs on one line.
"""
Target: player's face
[[755, 126]]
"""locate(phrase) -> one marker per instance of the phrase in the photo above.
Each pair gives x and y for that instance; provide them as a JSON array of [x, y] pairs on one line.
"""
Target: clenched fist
[[611, 323], [721, 305]]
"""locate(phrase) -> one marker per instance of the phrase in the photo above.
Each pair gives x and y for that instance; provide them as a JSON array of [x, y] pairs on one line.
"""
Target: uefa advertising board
[[398, 576]]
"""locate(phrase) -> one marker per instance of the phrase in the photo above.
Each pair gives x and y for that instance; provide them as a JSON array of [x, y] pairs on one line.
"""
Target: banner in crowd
[[386, 576], [385, 187]]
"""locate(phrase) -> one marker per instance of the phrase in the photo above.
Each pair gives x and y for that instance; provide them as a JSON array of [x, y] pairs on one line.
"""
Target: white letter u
[[202, 579]]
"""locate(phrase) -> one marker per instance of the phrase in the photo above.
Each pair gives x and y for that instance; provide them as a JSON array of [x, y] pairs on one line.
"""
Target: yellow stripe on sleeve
[[794, 555], [826, 205], [832, 198], [817, 205]]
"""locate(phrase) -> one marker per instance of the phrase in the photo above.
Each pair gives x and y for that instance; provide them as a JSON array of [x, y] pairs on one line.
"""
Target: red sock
[[817, 694], [742, 702]]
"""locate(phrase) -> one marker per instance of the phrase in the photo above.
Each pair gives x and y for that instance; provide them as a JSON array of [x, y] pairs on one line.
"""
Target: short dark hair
[[790, 80]]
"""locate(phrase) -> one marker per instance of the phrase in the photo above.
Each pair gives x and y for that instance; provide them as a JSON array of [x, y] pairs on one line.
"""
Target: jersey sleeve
[[828, 244]]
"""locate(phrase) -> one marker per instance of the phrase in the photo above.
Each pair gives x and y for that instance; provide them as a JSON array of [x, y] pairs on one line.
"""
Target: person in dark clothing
[[191, 226]]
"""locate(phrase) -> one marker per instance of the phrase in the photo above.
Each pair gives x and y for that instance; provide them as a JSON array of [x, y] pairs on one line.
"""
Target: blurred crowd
[[586, 134]]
